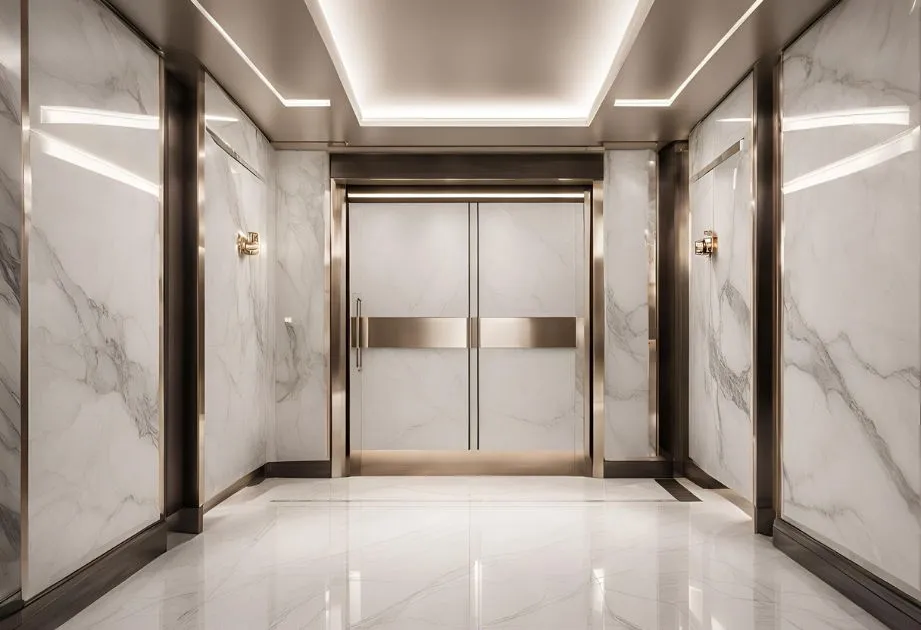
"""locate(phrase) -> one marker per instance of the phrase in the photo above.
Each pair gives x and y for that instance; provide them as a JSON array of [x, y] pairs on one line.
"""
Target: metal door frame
[[591, 333]]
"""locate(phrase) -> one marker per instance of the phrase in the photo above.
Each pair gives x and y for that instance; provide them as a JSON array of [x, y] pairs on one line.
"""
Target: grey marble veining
[[852, 286], [630, 228], [10, 297], [94, 281], [720, 342], [228, 121], [301, 287]]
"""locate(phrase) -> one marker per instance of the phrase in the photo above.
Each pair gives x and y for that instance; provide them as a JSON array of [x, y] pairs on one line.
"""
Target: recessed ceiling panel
[[478, 62]]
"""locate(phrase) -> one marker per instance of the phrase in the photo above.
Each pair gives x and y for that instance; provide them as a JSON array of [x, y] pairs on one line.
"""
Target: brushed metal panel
[[396, 463], [529, 332], [410, 332]]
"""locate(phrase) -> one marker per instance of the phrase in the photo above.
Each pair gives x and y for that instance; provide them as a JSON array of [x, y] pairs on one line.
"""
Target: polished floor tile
[[560, 553]]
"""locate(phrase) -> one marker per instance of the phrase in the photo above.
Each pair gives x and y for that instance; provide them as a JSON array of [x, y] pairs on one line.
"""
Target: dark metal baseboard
[[246, 480], [882, 600], [653, 468], [693, 472], [299, 470], [187, 520], [74, 593]]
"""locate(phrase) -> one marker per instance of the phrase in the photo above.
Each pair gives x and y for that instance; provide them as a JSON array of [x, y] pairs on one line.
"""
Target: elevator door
[[467, 329]]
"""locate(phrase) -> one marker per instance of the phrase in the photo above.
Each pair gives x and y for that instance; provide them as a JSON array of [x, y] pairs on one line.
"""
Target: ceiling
[[429, 74]]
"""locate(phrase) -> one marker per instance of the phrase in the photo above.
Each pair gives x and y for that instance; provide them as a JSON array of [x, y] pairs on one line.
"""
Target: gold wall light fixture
[[248, 243], [708, 245]]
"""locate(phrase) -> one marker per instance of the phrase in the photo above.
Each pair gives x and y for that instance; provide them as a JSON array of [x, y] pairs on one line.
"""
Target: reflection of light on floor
[[598, 594], [354, 597], [696, 602]]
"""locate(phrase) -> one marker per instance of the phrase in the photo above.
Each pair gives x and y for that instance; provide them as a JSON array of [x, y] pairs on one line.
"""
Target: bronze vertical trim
[[337, 410], [766, 269], [200, 289], [161, 289], [26, 227], [597, 328]]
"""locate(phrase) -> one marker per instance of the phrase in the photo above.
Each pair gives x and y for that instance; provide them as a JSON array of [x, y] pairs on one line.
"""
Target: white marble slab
[[228, 121], [94, 287], [630, 227], [413, 400], [10, 298], [301, 287], [852, 286], [527, 400], [563, 559], [531, 260], [238, 357], [720, 310]]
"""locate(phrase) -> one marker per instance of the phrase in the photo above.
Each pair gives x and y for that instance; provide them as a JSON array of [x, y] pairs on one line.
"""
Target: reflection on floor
[[466, 553]]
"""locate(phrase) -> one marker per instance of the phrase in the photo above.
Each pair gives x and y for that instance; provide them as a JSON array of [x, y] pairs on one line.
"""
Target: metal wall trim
[[229, 150], [722, 157], [473, 309], [338, 308], [597, 325], [529, 332], [26, 226], [200, 292], [161, 290], [518, 166], [584, 308], [468, 194], [409, 332], [652, 307]]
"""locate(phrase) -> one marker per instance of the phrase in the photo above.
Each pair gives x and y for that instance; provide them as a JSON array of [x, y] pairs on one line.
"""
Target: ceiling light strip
[[466, 195], [667, 102], [287, 102]]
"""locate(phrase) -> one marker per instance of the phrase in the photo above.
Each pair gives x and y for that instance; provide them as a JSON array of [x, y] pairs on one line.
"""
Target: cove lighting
[[287, 102], [460, 195], [898, 115], [57, 148], [667, 102], [903, 143]]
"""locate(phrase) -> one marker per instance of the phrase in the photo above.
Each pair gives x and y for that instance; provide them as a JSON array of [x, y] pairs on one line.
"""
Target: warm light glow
[[287, 102], [333, 19], [903, 143], [59, 149], [62, 115], [667, 102], [446, 195], [897, 115], [217, 118]]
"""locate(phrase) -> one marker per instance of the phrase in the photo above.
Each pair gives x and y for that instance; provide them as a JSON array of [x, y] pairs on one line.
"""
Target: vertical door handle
[[358, 334]]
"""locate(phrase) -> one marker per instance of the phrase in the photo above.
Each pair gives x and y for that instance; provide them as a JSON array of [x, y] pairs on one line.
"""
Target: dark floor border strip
[[694, 472], [187, 520], [65, 599], [879, 598], [674, 488], [299, 470], [638, 469], [246, 480]]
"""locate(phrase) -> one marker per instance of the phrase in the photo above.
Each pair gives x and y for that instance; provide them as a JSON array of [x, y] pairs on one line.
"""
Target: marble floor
[[394, 553]]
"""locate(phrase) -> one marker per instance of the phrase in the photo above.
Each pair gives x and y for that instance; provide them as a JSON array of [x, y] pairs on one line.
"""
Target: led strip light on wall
[[466, 195], [667, 102], [287, 102]]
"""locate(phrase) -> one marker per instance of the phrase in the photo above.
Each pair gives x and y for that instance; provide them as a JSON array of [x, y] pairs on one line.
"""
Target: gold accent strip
[[337, 411], [434, 463], [409, 332], [529, 332], [598, 325], [722, 157]]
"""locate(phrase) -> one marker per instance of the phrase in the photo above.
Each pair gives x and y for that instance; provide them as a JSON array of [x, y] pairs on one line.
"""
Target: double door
[[468, 330]]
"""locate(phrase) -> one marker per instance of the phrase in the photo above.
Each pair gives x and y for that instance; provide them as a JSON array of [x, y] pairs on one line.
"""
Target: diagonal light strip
[[903, 143], [667, 102], [287, 102]]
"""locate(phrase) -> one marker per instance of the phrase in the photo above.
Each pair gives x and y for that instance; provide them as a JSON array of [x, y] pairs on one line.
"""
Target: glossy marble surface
[[233, 126], [529, 400], [10, 299], [630, 227], [720, 309], [432, 553], [852, 286], [301, 286], [94, 287]]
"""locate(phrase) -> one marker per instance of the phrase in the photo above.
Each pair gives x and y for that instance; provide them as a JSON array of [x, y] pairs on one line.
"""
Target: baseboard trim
[[248, 479], [879, 598], [187, 520], [299, 470], [65, 599], [694, 472], [652, 468]]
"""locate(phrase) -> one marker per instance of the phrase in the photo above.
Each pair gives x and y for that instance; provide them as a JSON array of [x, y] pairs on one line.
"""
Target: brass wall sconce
[[248, 244], [708, 245]]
